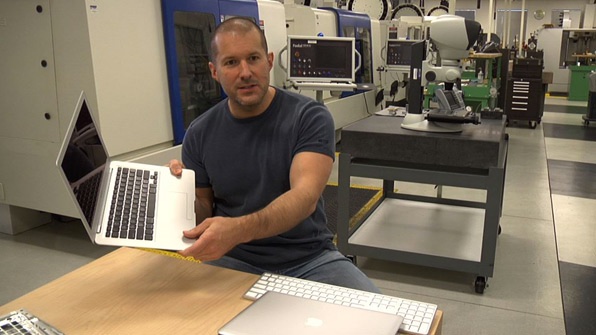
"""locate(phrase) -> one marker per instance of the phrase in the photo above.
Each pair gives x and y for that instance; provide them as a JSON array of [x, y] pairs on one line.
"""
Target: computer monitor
[[399, 53], [321, 59]]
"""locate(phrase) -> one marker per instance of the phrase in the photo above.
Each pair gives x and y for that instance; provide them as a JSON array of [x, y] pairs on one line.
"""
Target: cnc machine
[[345, 106], [51, 51], [397, 57], [188, 27]]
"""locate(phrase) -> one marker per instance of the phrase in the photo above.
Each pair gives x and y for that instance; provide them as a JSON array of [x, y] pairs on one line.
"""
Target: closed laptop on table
[[282, 314]]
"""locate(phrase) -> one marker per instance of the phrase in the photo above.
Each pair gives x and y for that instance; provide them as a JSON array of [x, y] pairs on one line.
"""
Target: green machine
[[579, 83], [479, 93], [475, 96]]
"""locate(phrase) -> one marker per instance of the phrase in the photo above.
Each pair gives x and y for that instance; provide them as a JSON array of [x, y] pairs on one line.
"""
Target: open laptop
[[23, 322], [278, 313], [124, 203]]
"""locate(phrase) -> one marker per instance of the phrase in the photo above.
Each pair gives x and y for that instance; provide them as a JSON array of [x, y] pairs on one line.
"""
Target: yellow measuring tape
[[171, 254]]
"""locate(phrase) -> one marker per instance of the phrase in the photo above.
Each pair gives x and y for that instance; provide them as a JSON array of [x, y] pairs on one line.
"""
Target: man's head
[[239, 25], [241, 63]]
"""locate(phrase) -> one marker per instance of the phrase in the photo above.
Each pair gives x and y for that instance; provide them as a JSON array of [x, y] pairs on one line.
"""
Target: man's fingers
[[194, 250], [190, 234], [194, 233], [176, 167], [199, 248]]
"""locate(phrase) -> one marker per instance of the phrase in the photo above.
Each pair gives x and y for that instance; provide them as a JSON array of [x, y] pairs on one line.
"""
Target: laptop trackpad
[[177, 205]]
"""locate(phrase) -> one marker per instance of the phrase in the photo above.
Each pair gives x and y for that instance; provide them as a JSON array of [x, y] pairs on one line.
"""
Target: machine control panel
[[399, 52], [328, 59]]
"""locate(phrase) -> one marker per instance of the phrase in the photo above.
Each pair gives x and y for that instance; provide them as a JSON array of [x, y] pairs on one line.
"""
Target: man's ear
[[213, 70], [270, 58]]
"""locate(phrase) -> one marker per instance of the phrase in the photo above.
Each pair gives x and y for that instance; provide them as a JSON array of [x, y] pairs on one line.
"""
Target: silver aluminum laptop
[[278, 313], [149, 208], [23, 322]]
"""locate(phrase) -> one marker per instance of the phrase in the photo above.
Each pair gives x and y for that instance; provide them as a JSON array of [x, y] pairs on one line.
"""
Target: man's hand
[[207, 246], [215, 237], [176, 167]]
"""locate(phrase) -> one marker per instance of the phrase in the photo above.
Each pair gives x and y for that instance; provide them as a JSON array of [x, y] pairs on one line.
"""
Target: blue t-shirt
[[247, 163]]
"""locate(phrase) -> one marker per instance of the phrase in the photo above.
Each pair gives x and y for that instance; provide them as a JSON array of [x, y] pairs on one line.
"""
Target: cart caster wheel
[[586, 123], [480, 284], [532, 124], [353, 259]]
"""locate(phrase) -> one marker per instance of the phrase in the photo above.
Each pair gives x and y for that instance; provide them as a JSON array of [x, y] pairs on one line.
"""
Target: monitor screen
[[321, 59], [399, 52]]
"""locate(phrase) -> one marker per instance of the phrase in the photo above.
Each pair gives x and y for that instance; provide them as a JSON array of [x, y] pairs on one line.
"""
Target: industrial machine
[[569, 54], [398, 56], [452, 36], [321, 63], [346, 105], [188, 27], [53, 50], [396, 39]]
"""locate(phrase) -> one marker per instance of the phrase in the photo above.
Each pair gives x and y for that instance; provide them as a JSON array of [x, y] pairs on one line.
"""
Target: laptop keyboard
[[418, 316], [17, 325], [132, 210], [86, 194], [22, 322]]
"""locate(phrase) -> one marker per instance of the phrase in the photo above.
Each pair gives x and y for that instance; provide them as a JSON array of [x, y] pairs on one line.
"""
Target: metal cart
[[430, 231]]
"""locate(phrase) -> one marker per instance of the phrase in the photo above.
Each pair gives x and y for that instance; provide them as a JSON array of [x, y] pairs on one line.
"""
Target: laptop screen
[[321, 59], [84, 160]]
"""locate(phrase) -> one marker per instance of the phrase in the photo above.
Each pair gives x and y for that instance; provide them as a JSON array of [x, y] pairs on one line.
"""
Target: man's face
[[242, 68]]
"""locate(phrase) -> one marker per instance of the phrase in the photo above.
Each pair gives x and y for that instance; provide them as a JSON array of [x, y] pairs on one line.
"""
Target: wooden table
[[131, 291]]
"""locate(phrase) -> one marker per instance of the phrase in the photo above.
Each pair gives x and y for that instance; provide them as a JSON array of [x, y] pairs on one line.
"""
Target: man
[[262, 158]]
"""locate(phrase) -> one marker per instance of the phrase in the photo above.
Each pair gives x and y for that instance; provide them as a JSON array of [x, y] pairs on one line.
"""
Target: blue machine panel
[[248, 8], [357, 25], [188, 26]]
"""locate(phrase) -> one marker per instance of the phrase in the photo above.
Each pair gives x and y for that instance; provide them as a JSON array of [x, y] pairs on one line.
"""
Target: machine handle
[[359, 61], [279, 58]]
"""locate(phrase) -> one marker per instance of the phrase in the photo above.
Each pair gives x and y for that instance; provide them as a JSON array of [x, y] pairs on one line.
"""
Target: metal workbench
[[431, 231]]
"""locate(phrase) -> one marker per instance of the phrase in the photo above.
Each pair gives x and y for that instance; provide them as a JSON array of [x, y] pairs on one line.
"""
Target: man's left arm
[[309, 174]]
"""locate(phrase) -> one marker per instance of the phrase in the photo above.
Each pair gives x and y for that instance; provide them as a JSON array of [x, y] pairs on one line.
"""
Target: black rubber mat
[[578, 285], [359, 198], [570, 132], [574, 179], [565, 109]]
